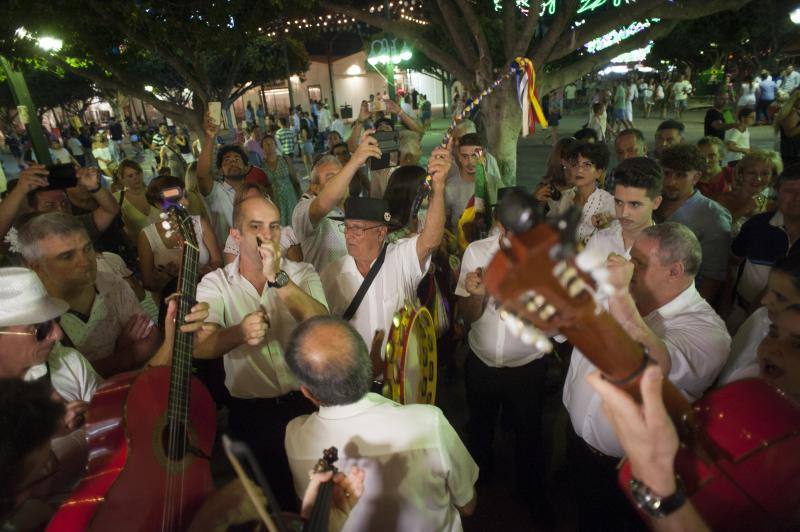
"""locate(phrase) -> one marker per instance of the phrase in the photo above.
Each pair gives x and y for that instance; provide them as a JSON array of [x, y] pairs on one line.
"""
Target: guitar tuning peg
[[168, 234], [530, 335], [163, 215], [515, 324], [543, 344], [166, 225]]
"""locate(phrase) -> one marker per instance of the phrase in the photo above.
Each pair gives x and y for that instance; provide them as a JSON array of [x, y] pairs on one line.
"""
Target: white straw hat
[[23, 299]]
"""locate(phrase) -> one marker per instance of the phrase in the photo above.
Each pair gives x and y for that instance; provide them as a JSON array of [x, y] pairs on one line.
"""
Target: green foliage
[[49, 90]]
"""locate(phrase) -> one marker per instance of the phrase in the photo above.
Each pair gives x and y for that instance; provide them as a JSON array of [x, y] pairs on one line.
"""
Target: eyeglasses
[[582, 166], [40, 331], [356, 231]]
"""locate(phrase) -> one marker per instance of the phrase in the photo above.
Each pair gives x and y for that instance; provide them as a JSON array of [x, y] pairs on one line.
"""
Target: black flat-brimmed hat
[[370, 209]]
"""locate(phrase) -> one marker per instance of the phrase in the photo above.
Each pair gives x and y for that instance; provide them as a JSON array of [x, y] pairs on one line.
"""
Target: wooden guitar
[[150, 432], [740, 453]]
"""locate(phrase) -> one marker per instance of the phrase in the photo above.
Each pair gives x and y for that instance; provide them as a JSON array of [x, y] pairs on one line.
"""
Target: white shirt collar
[[677, 305], [777, 219], [345, 411]]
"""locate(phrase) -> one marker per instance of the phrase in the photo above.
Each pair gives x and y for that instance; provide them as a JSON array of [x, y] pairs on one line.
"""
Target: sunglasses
[[40, 331]]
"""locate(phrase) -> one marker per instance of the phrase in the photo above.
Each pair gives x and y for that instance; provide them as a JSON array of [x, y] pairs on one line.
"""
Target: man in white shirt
[[637, 193], [404, 264], [657, 304], [502, 371], [791, 81], [320, 238], [681, 91], [418, 474], [257, 301]]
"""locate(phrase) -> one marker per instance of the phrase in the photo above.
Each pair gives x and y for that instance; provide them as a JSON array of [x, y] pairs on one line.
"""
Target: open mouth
[[770, 370]]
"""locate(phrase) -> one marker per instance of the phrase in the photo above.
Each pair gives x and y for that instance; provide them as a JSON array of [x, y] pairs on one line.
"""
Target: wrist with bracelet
[[655, 505]]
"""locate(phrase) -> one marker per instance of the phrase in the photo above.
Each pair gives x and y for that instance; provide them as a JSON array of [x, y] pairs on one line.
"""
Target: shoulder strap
[[365, 284]]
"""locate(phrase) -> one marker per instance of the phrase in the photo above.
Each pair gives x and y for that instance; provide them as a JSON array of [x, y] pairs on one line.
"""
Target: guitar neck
[[182, 347], [320, 513]]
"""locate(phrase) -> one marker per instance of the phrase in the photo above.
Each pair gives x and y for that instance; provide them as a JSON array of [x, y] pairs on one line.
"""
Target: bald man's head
[[330, 359]]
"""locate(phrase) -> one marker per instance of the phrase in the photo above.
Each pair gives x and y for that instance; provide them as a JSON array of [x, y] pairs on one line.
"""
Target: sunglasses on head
[[40, 331]]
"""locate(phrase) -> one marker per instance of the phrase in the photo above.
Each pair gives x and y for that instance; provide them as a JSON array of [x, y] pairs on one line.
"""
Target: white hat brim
[[49, 309]]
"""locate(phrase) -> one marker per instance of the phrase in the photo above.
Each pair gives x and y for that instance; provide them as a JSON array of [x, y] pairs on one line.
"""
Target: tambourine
[[410, 370]]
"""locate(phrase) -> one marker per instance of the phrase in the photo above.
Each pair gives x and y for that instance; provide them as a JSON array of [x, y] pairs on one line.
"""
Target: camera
[[61, 176], [389, 143]]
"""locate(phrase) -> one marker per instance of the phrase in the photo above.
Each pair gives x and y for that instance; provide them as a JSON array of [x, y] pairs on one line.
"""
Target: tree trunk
[[500, 127]]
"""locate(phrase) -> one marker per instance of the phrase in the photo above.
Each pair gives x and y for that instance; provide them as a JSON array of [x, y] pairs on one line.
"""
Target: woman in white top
[[159, 254], [588, 163], [737, 139], [747, 93]]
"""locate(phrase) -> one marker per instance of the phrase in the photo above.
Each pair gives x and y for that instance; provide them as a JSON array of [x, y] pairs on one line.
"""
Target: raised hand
[[542, 192], [32, 177], [603, 219], [367, 147], [210, 126], [270, 252], [88, 178], [254, 327], [474, 283], [440, 163]]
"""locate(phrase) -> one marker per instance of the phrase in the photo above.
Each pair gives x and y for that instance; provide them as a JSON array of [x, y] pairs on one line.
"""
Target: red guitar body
[[123, 488], [753, 484]]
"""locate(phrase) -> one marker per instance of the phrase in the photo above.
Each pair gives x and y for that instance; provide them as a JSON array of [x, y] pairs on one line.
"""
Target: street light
[[794, 16]]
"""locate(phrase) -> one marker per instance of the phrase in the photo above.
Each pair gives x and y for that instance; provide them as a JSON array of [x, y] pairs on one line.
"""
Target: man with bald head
[[418, 474], [319, 236], [257, 300]]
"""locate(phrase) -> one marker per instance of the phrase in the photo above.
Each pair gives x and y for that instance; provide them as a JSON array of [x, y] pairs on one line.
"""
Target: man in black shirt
[[714, 124]]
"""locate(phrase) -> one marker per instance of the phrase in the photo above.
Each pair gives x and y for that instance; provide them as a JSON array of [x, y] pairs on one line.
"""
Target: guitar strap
[[365, 284]]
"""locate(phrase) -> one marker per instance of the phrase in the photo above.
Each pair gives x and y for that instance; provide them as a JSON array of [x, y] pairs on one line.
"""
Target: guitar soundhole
[[174, 442]]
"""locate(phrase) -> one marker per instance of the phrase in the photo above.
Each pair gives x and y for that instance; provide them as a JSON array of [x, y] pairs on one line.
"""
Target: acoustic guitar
[[150, 432], [740, 453]]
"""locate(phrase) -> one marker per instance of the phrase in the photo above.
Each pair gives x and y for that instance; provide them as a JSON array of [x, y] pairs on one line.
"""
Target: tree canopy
[[190, 53]]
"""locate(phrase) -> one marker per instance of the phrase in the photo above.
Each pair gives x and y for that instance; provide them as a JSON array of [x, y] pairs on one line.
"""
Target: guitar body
[[754, 482], [123, 488]]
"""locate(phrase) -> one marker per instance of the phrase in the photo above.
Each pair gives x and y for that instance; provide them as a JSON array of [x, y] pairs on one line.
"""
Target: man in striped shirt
[[286, 138]]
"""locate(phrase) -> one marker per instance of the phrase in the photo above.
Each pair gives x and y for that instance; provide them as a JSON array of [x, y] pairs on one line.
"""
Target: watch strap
[[654, 505]]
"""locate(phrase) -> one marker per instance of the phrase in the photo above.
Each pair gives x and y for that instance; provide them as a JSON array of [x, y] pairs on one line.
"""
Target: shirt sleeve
[[716, 247], [468, 264], [231, 247], [697, 352], [301, 221], [408, 264], [121, 295], [208, 292], [461, 469], [309, 282]]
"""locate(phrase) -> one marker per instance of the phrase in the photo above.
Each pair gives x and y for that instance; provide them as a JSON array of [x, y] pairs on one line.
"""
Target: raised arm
[[358, 127], [31, 178], [431, 236], [205, 179], [334, 190], [407, 121], [107, 206]]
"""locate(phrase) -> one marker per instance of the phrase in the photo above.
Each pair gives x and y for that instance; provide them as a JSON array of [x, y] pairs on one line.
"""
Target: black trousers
[[602, 506], [519, 392], [261, 424]]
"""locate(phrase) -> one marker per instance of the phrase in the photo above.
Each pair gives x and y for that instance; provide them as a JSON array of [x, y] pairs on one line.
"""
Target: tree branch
[[692, 9], [484, 54], [560, 23], [509, 28], [526, 35], [571, 72], [410, 34], [456, 30]]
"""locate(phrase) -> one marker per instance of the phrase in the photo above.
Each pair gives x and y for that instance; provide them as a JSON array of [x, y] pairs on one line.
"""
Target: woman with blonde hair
[[787, 125], [754, 173]]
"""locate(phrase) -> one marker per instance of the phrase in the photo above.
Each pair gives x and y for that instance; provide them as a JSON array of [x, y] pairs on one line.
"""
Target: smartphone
[[61, 176], [215, 110], [389, 143], [555, 194]]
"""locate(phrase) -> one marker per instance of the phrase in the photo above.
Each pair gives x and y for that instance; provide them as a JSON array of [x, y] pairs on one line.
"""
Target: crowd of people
[[299, 284]]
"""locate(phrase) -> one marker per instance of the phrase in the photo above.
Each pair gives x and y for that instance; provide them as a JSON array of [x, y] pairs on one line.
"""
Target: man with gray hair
[[420, 475], [105, 321], [319, 236], [656, 302]]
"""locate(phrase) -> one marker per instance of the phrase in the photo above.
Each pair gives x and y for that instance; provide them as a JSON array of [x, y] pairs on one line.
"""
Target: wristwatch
[[655, 506], [281, 280]]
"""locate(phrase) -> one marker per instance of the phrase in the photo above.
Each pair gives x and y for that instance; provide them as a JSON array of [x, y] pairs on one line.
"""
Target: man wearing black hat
[[389, 273], [501, 370]]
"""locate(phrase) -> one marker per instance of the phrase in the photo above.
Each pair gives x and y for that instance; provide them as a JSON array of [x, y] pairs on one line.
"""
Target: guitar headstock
[[535, 276], [175, 218], [329, 457]]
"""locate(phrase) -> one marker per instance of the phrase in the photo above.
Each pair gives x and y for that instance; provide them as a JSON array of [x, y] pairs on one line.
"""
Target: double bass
[[150, 432], [740, 445]]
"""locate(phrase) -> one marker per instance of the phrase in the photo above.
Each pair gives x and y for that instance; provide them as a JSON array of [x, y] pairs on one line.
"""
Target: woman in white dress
[[160, 255], [747, 93]]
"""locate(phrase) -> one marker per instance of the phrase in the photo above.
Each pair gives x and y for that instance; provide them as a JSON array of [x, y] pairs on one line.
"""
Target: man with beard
[[233, 166], [683, 165]]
